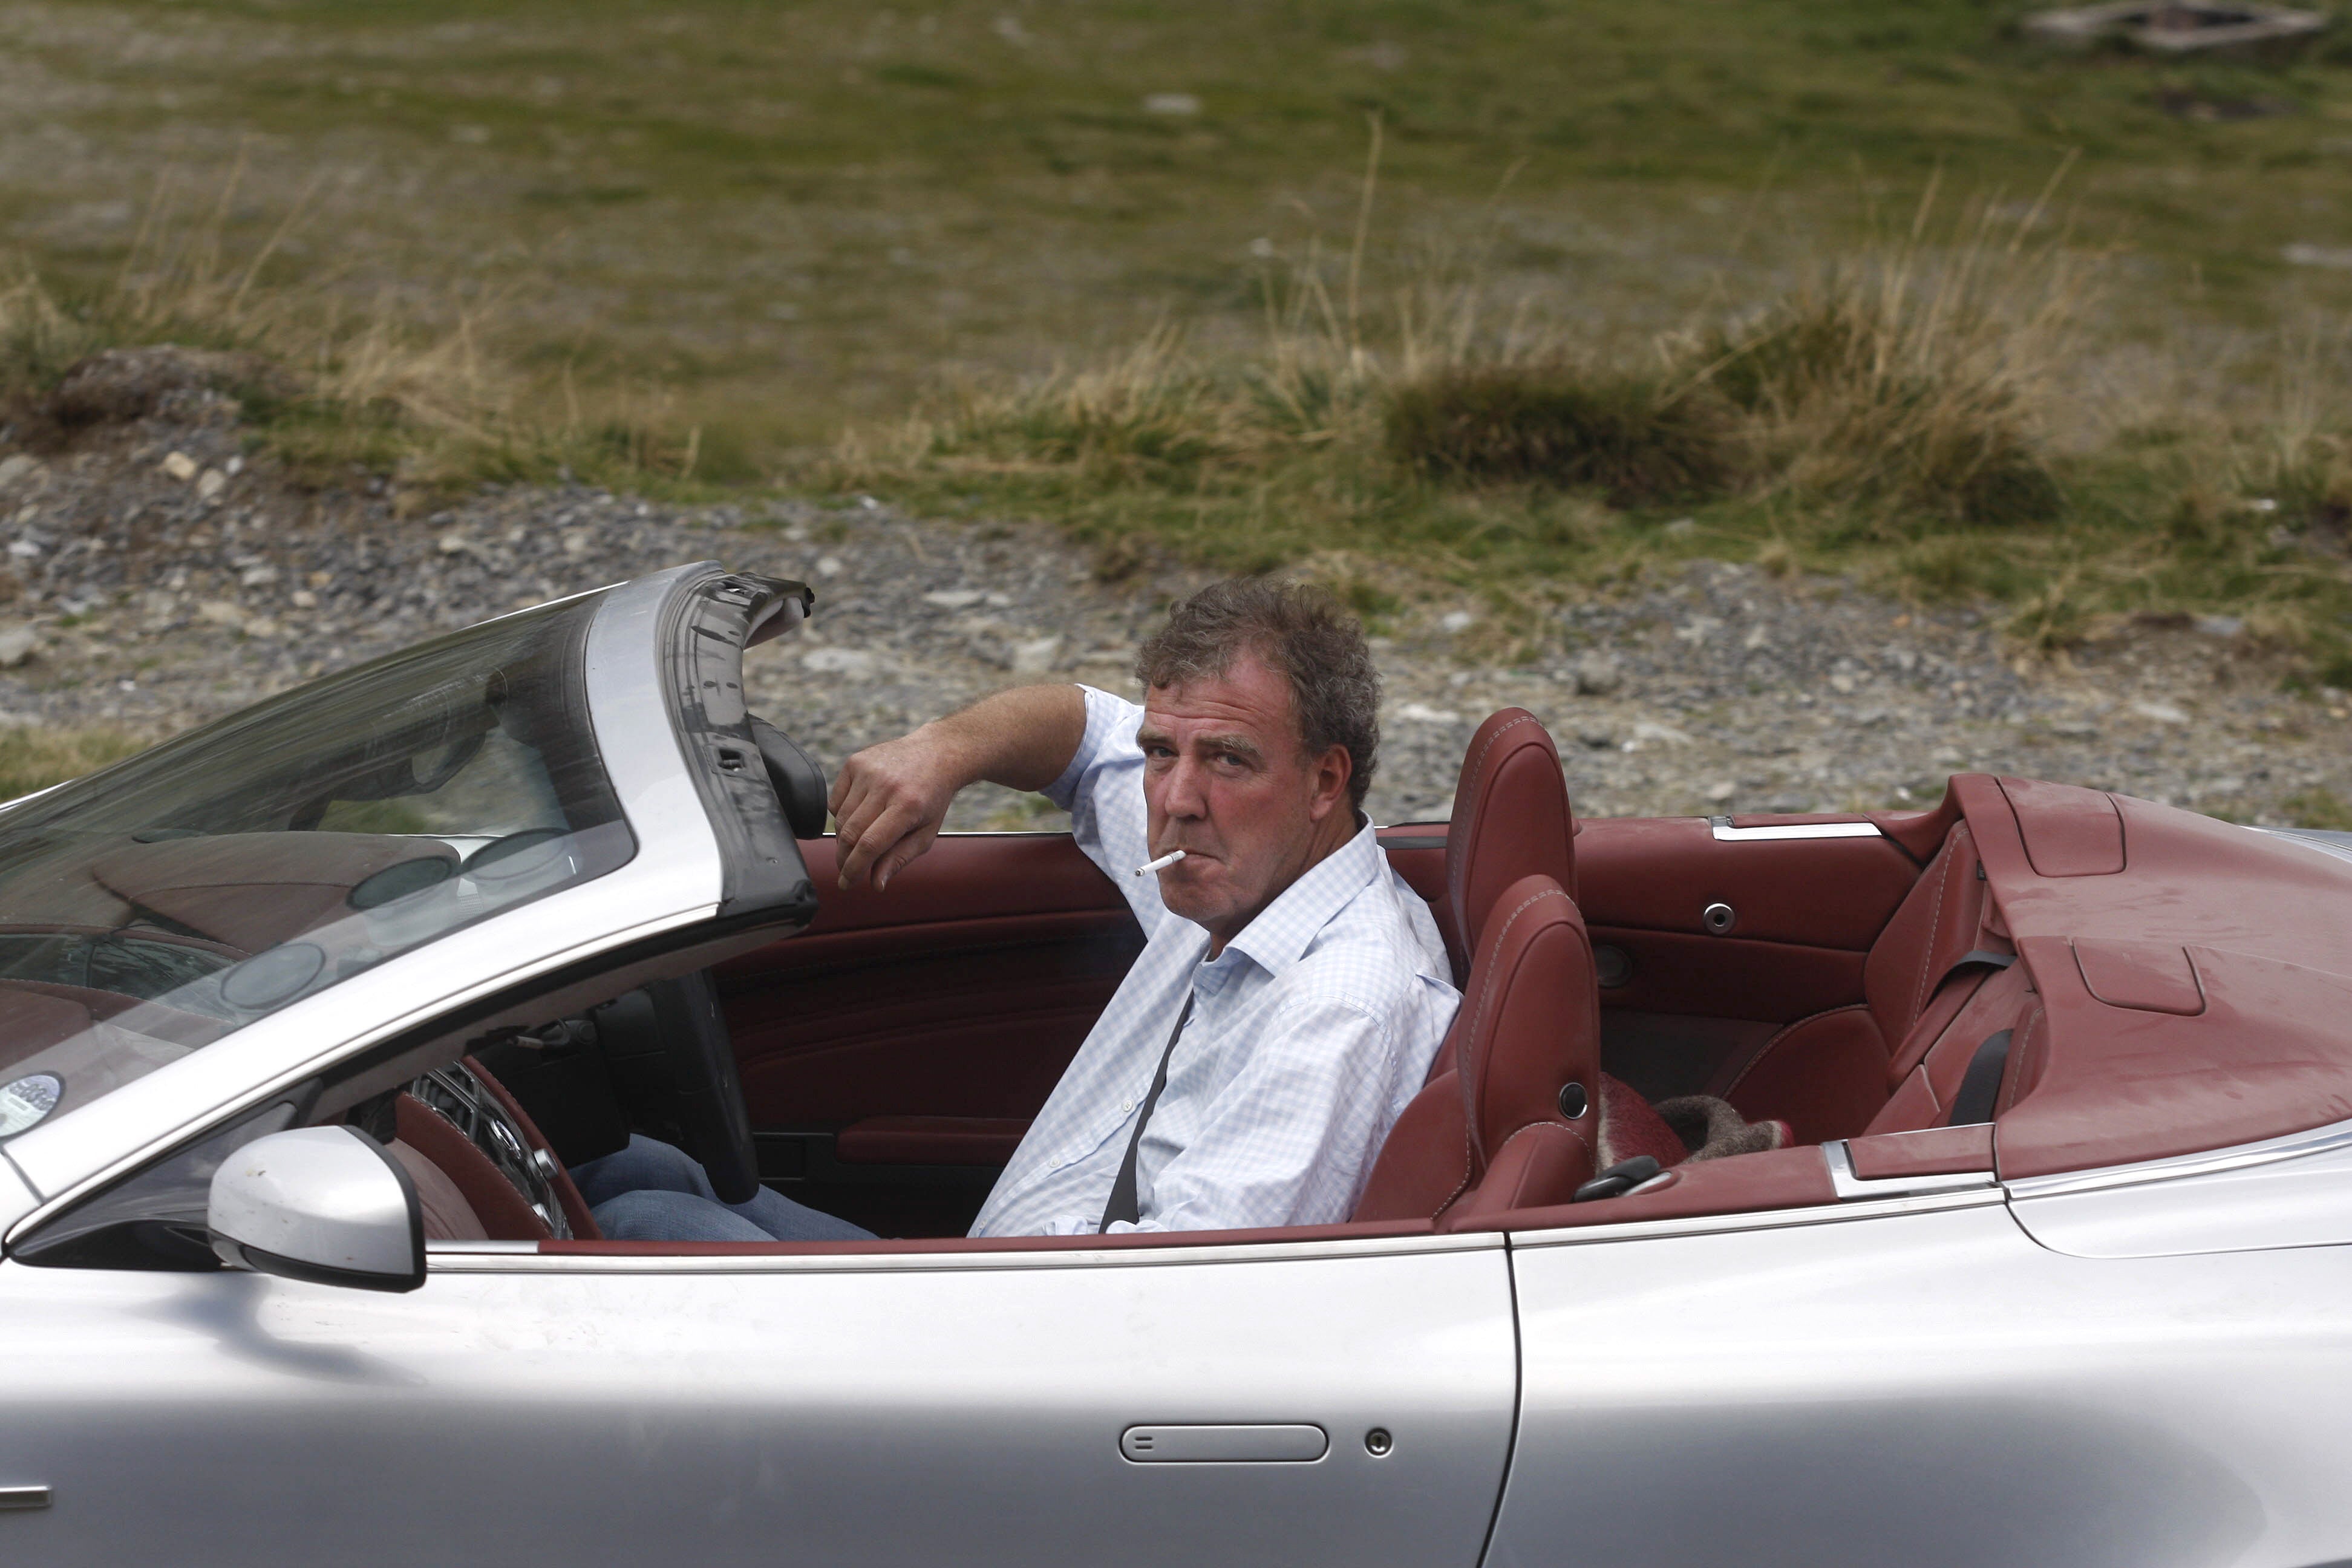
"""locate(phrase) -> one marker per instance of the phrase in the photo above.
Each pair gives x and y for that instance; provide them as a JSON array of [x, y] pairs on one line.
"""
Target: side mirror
[[325, 1204]]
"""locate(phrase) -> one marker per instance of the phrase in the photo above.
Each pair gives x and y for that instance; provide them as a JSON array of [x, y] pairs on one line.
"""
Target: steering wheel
[[668, 1046]]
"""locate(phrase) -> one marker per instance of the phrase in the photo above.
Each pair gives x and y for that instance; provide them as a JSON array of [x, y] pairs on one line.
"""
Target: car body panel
[[797, 1410], [2286, 1192], [1927, 1387]]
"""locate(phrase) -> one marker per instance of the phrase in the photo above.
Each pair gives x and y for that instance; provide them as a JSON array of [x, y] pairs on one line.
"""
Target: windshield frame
[[675, 881]]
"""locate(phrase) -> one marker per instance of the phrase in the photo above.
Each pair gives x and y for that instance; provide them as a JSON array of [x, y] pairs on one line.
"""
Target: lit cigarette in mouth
[[1160, 864]]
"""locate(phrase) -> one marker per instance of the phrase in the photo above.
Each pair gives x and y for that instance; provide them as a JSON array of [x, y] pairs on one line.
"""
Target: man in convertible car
[[1293, 990]]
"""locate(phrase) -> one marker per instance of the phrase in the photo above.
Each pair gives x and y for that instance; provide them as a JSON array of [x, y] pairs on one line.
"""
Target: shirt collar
[[1279, 935]]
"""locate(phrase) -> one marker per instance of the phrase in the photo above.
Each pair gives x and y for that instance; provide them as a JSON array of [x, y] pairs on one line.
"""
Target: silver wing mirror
[[326, 1205]]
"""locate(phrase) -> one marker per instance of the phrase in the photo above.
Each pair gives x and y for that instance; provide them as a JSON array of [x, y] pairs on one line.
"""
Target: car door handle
[[17, 1499], [1294, 1444]]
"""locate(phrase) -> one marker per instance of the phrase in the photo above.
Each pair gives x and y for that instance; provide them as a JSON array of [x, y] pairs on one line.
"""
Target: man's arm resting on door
[[890, 799]]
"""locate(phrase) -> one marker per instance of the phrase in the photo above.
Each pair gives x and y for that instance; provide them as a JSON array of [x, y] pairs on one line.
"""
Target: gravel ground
[[155, 576]]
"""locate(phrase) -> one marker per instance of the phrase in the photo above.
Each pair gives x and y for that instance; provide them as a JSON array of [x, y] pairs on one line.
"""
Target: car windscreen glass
[[156, 906]]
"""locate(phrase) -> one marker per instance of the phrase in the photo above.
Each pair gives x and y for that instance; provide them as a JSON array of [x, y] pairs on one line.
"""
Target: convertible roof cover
[[2195, 976]]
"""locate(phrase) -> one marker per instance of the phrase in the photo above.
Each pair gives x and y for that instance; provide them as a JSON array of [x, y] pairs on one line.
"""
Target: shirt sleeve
[[1102, 789], [1294, 1134]]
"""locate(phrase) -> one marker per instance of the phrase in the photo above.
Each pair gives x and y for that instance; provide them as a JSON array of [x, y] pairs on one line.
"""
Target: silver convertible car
[[2042, 1255]]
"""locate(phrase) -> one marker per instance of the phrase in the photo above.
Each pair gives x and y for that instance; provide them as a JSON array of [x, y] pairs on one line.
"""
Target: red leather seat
[[1511, 819], [1828, 1075], [1510, 1117]]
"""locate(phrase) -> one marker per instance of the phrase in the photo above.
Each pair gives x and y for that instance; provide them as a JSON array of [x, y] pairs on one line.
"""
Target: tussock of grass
[[34, 759], [1634, 441], [1915, 412], [1914, 379]]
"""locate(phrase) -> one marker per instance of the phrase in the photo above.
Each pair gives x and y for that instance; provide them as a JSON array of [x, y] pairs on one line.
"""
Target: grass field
[[835, 245]]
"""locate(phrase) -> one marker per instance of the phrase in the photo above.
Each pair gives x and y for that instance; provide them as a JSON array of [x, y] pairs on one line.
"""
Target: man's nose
[[1184, 795]]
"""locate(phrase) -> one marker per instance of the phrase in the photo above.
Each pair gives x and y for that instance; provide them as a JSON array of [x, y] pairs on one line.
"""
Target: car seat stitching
[[1537, 1127], [1479, 778], [1461, 1054], [1928, 955]]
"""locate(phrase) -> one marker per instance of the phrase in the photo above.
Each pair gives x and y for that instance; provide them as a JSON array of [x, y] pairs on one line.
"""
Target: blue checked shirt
[[1307, 1035]]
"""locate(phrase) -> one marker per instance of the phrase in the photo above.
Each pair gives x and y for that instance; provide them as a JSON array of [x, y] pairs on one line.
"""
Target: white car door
[[1922, 1380], [1340, 1402]]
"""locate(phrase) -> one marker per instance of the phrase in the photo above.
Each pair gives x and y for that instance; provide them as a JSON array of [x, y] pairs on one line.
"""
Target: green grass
[[1623, 266]]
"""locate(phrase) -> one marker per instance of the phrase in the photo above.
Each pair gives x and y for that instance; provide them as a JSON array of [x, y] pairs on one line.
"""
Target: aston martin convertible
[[2041, 1257]]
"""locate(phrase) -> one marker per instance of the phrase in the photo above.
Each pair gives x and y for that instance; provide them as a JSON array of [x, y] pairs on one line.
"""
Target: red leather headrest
[[1511, 819], [1530, 1023]]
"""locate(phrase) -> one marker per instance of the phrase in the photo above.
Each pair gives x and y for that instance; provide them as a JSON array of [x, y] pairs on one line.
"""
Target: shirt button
[[1127, 1108]]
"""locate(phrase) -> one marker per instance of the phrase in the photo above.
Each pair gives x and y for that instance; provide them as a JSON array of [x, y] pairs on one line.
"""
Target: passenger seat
[[1828, 1075], [1510, 1117]]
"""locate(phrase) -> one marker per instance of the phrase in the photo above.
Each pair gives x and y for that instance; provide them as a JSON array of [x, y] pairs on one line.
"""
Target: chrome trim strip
[[461, 1248], [446, 1257], [2293, 1146], [1757, 1219], [2334, 845], [1726, 833], [22, 1499], [1851, 1188]]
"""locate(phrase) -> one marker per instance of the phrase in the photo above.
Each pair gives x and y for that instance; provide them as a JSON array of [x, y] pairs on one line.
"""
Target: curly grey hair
[[1300, 631]]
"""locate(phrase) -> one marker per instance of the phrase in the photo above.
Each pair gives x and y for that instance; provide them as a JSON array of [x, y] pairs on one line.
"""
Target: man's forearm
[[1021, 738]]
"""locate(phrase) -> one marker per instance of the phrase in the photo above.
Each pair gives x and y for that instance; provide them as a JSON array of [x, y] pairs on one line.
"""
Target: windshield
[[154, 907]]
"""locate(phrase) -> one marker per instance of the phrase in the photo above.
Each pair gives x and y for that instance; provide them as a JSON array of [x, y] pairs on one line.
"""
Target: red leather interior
[[447, 1215], [2266, 926], [254, 891], [1930, 1151], [2147, 976], [567, 1194], [1488, 1132], [962, 991], [1777, 1179], [492, 1199], [1728, 977], [1660, 874], [1829, 1075], [1511, 819], [2067, 831]]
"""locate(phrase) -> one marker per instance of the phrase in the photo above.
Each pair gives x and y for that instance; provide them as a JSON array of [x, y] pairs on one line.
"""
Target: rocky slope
[[156, 575]]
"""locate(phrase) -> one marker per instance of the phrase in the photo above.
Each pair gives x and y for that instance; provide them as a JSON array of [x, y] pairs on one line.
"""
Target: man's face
[[1228, 782]]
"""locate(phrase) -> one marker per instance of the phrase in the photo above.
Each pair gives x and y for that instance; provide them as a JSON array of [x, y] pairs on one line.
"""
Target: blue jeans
[[652, 1191]]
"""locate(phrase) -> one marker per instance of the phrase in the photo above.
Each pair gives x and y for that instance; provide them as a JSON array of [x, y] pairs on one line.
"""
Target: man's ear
[[1331, 775]]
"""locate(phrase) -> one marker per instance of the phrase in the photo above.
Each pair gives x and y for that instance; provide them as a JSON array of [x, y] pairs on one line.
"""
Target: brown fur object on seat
[[1711, 1130]]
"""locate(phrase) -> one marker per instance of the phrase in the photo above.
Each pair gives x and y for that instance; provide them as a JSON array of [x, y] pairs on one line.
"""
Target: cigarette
[[1162, 864]]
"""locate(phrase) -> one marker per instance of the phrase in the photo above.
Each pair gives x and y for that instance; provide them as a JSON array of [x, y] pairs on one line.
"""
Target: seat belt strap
[[1980, 958], [1980, 1085], [1122, 1204]]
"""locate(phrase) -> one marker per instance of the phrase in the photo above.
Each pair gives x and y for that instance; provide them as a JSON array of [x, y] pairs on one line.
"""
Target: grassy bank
[[1634, 285]]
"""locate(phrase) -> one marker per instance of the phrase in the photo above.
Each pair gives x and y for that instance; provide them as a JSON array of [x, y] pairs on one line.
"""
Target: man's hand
[[889, 802]]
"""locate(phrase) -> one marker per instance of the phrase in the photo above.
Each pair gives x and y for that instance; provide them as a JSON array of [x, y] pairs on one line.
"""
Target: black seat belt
[[1980, 957], [1980, 1085], [1122, 1204]]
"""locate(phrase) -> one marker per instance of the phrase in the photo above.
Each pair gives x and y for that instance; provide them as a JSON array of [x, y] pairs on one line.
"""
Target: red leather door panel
[[1806, 911], [962, 991]]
